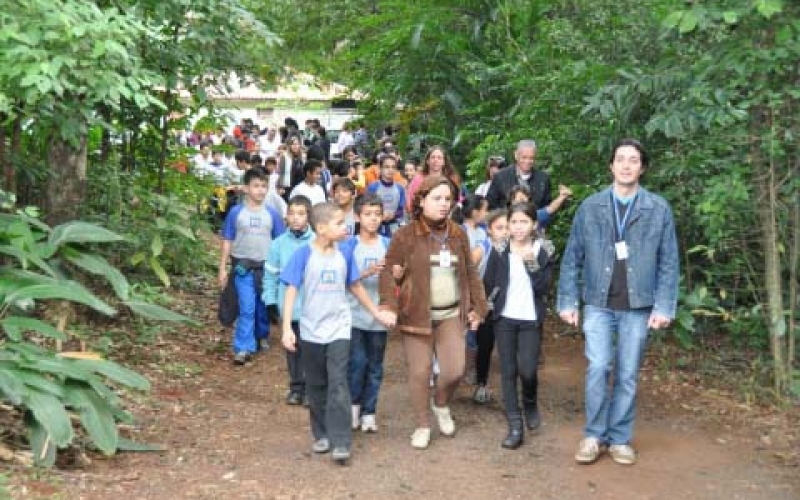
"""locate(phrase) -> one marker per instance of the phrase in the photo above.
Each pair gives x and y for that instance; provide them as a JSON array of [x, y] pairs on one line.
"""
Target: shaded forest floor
[[228, 434]]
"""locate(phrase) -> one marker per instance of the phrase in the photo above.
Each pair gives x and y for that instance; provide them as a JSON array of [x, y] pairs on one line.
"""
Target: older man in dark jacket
[[520, 173]]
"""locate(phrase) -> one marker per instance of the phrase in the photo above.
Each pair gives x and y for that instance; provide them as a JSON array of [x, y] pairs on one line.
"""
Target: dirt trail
[[230, 435]]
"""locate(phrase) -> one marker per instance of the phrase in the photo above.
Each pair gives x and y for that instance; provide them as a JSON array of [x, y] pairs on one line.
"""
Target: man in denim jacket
[[624, 251]]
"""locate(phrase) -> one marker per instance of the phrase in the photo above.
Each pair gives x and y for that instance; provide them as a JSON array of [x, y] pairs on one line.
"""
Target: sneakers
[[368, 424], [421, 438], [623, 454], [481, 395], [262, 345], [321, 445], [356, 417], [444, 419], [294, 398], [589, 450], [341, 454], [241, 358]]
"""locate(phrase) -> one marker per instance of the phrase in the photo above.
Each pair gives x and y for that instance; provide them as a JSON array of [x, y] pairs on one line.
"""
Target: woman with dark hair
[[436, 162], [440, 295]]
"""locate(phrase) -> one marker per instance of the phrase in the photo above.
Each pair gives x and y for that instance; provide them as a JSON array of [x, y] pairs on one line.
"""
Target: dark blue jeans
[[327, 390], [367, 349]]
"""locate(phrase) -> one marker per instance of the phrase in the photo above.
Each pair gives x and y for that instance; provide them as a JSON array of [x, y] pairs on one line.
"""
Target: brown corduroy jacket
[[410, 248]]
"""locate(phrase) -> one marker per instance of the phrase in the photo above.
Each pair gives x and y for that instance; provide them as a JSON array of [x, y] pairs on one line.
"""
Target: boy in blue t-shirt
[[246, 237], [325, 275], [299, 234], [368, 339], [392, 195]]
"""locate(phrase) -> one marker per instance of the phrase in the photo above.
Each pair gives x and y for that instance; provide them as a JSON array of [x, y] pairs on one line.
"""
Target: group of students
[[341, 273], [319, 277]]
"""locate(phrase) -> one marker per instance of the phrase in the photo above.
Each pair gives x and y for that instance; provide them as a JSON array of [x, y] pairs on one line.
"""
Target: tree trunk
[[5, 161], [66, 185], [767, 189]]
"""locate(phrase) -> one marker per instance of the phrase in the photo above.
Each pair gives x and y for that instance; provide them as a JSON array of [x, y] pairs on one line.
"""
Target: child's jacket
[[497, 277], [280, 252]]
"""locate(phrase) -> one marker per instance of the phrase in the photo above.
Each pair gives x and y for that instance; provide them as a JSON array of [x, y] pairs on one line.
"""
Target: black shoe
[[294, 398], [514, 438], [532, 418]]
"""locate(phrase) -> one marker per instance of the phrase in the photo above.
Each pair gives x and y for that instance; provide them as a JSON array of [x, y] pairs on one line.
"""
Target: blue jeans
[[610, 412], [253, 322], [367, 349], [472, 340]]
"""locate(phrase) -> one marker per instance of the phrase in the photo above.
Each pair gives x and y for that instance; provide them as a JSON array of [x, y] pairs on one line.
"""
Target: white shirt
[[268, 147], [483, 189], [315, 193], [345, 139], [519, 296]]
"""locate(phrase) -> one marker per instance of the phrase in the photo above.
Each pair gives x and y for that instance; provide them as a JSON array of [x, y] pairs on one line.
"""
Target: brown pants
[[449, 341]]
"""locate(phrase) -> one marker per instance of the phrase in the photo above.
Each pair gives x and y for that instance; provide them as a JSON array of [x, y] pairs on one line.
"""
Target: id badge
[[621, 249], [444, 258]]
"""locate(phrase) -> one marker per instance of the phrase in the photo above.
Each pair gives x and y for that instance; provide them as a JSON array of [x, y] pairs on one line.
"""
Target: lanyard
[[621, 224], [442, 241]]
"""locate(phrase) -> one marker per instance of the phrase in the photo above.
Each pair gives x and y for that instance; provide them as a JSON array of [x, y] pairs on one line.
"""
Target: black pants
[[518, 345], [294, 364], [328, 390], [483, 358]]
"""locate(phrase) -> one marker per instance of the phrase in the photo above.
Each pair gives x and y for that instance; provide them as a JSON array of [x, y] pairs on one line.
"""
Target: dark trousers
[[367, 349], [485, 348], [327, 390], [518, 345], [294, 364]]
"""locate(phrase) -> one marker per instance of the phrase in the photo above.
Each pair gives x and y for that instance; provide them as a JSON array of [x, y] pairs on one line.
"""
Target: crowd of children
[[309, 256]]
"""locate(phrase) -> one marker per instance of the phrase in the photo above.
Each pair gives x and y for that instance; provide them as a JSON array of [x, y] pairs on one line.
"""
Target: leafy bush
[[43, 264]]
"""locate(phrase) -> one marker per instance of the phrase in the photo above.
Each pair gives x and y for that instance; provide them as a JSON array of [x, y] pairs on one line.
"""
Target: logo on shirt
[[255, 221], [369, 261], [327, 277]]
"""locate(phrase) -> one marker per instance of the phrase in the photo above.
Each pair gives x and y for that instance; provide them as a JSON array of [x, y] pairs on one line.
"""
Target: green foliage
[[44, 264]]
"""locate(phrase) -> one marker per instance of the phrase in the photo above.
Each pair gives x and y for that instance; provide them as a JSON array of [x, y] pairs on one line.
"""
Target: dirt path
[[231, 436]]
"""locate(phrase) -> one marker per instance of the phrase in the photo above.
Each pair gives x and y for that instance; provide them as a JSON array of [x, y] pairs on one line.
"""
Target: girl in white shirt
[[516, 281]]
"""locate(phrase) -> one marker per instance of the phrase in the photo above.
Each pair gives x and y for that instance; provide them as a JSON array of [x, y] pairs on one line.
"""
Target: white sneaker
[[356, 416], [421, 438], [444, 419], [623, 454], [368, 424], [589, 450]]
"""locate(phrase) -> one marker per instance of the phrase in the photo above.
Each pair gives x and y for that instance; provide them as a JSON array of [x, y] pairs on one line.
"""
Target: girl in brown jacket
[[440, 294]]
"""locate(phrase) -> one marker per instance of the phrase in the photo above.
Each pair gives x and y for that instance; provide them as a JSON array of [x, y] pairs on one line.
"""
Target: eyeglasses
[[498, 159]]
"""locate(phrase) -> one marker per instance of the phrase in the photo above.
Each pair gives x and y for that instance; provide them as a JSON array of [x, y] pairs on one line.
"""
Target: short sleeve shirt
[[325, 315], [252, 231]]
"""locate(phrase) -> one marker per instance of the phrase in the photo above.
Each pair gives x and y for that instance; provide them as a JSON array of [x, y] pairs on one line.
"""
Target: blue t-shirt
[[324, 278]]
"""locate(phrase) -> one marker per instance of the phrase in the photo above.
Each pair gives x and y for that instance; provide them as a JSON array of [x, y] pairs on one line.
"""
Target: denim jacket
[[652, 264]]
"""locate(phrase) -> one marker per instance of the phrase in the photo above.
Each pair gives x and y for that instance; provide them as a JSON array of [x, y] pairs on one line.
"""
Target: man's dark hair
[[255, 173], [343, 183], [271, 160], [311, 165], [256, 160], [242, 156], [367, 200], [643, 156], [315, 152], [300, 200]]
